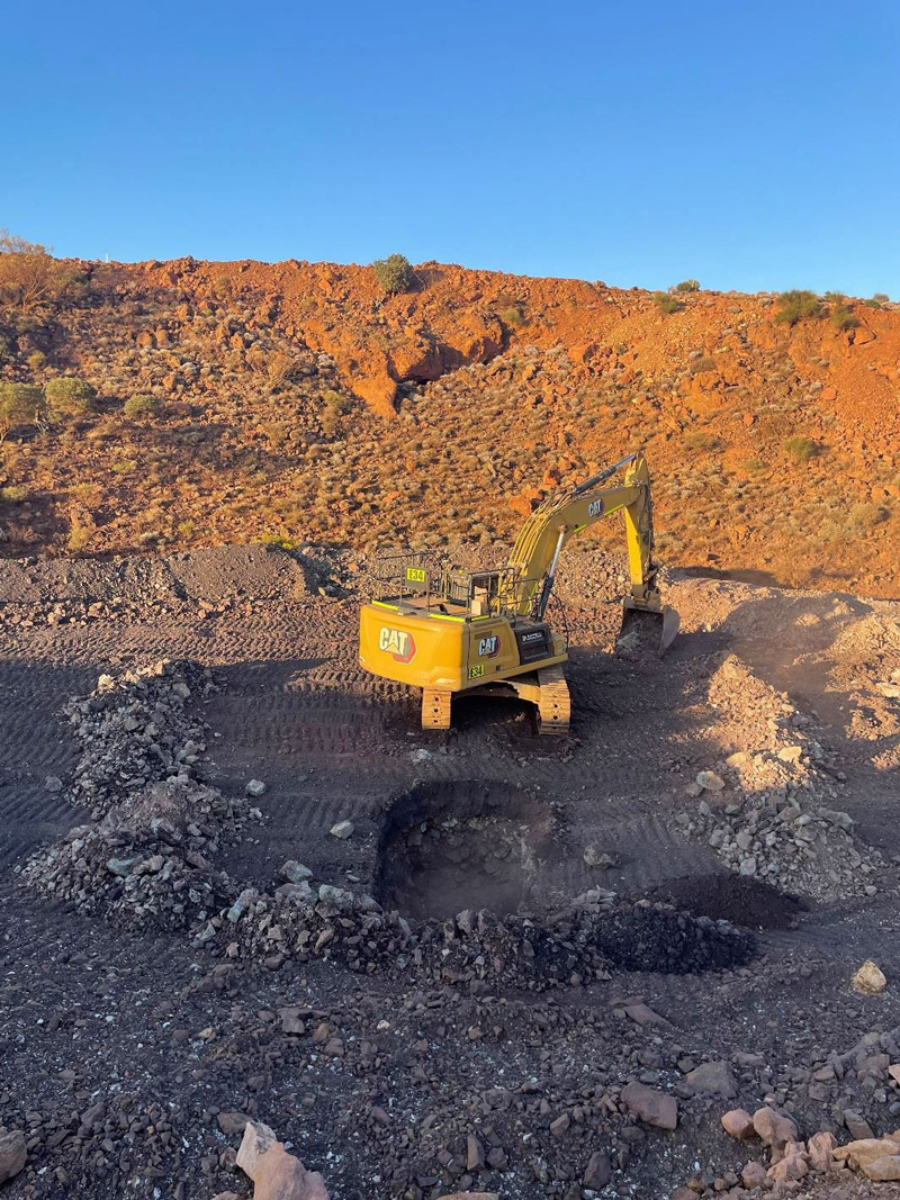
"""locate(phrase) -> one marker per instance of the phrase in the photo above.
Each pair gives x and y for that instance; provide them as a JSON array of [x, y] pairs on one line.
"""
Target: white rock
[[869, 980], [342, 830], [710, 781], [255, 787]]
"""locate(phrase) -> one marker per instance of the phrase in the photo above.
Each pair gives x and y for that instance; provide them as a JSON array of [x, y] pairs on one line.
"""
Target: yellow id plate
[[416, 574]]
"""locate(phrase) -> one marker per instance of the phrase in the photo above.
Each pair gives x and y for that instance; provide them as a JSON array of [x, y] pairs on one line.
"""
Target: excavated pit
[[462, 844]]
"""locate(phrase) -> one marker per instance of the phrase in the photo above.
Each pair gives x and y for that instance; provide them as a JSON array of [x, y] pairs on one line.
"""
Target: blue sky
[[752, 146]]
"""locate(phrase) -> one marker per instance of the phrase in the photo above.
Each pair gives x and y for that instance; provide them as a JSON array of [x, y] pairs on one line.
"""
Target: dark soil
[[122, 1051], [736, 898]]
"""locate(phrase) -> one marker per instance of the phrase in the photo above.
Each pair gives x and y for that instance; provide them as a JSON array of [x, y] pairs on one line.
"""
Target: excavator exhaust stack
[[644, 628]]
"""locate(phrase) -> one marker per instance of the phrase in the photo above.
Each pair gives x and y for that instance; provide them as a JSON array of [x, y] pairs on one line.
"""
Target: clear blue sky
[[751, 145]]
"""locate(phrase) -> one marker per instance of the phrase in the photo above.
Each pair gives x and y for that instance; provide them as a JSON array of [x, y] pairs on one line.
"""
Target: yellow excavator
[[449, 631]]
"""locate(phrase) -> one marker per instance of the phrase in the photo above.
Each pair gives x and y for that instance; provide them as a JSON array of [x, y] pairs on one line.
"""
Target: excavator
[[452, 631]]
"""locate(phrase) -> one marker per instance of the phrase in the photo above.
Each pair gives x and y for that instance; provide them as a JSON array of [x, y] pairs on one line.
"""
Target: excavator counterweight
[[449, 630]]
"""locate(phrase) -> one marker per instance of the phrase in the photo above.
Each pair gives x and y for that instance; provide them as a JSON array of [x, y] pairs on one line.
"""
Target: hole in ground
[[735, 898], [463, 844]]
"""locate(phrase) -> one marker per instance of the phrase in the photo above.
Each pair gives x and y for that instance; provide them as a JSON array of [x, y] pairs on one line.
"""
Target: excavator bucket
[[644, 631]]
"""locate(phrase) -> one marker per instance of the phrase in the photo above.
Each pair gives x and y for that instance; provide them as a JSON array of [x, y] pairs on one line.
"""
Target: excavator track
[[436, 709], [554, 704]]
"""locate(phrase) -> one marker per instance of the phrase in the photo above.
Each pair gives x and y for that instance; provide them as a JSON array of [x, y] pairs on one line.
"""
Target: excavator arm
[[543, 537]]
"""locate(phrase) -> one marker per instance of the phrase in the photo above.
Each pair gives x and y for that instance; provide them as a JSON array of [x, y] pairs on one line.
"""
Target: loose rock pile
[[147, 856], [576, 946], [770, 812], [135, 730]]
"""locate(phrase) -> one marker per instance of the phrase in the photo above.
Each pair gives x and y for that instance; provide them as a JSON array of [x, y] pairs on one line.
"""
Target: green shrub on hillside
[[797, 305], [141, 405], [511, 317], [20, 404], [394, 274], [688, 285], [29, 275], [882, 298], [70, 396], [842, 317], [873, 303], [800, 449], [667, 304]]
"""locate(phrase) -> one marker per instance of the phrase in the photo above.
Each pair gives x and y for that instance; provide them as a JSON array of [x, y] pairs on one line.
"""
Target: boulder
[[13, 1154], [710, 781], [774, 1128], [738, 1123], [857, 1126], [753, 1175], [821, 1148], [712, 1079], [276, 1174], [864, 1151], [652, 1107], [598, 1172], [883, 1169], [790, 1168], [869, 980]]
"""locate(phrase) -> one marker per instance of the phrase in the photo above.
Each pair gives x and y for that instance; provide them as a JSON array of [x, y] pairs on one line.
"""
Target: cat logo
[[397, 643], [595, 508], [489, 647]]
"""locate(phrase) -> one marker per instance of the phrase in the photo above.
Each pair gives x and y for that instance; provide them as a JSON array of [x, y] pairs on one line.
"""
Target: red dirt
[[300, 402]]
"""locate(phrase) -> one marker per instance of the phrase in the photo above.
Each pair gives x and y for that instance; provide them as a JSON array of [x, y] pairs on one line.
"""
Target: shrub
[[667, 304], [688, 285], [512, 317], [842, 317], [37, 360], [873, 303], [88, 492], [699, 365], [13, 494], [882, 298], [70, 396], [20, 404], [795, 306], [141, 405], [81, 533], [29, 275], [335, 400], [701, 441], [835, 297], [279, 542], [800, 449], [863, 516], [754, 465], [124, 466], [394, 274]]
